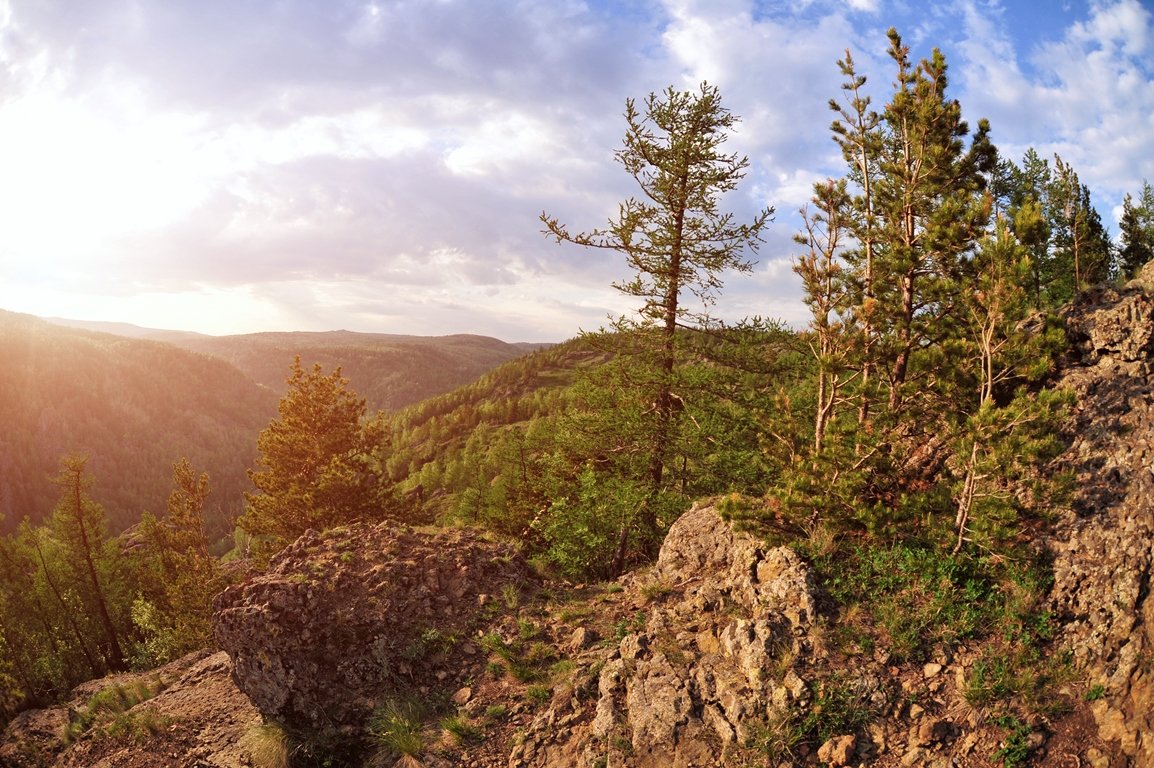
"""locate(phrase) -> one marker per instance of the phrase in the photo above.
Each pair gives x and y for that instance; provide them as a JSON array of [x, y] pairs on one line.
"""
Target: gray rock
[[686, 698], [1102, 544], [344, 619]]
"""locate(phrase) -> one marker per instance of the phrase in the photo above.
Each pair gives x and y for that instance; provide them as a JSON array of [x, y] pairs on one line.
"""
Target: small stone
[[933, 669], [838, 751], [1096, 759], [968, 744], [707, 642], [462, 696], [933, 730], [582, 638]]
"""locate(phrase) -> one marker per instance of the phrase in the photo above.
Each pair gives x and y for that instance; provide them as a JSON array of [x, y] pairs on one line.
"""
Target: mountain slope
[[138, 399], [134, 406], [390, 371]]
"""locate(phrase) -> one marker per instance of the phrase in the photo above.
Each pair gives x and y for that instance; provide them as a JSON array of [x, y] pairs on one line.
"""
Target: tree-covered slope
[[517, 392], [390, 371], [134, 406], [138, 399]]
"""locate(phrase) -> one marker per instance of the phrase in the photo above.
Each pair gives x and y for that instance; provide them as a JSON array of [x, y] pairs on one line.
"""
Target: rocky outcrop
[[194, 717], [347, 618], [1104, 544], [713, 660]]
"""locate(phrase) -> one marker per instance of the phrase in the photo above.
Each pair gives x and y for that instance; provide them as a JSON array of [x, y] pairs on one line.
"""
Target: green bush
[[919, 595]]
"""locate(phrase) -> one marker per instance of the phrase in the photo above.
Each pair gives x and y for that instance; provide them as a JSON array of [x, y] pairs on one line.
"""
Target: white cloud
[[245, 152]]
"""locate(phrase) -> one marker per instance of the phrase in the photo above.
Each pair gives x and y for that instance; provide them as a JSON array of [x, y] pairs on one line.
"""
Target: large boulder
[[349, 617]]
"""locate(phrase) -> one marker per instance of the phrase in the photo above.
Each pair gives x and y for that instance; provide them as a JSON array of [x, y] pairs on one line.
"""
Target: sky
[[233, 166]]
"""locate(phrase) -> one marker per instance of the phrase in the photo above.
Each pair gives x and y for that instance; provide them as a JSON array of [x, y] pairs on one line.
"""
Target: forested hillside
[[134, 407], [136, 400], [390, 371]]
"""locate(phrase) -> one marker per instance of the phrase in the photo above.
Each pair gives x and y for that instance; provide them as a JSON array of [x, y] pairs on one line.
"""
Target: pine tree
[[1003, 427], [1081, 252], [78, 524], [1030, 221], [931, 212], [177, 618], [676, 240], [1137, 234], [314, 469], [858, 132], [825, 292]]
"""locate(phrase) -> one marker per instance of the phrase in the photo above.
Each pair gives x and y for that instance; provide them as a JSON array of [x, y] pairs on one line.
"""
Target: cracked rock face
[[346, 618], [1104, 545], [713, 659]]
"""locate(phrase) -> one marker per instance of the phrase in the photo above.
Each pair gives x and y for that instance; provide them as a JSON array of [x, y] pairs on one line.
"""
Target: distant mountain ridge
[[390, 371], [125, 329], [137, 399]]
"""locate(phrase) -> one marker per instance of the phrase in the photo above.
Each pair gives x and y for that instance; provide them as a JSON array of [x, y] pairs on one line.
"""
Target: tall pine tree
[[679, 244]]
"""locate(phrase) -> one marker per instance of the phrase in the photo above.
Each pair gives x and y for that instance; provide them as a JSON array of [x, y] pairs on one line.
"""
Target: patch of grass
[[462, 731], [1015, 748], [628, 626], [527, 630], [136, 726], [918, 596], [655, 590], [396, 726], [511, 597], [1095, 692], [839, 705], [109, 703], [430, 641], [538, 694], [268, 745], [573, 613], [993, 678], [1008, 679], [496, 712], [561, 668], [778, 736], [525, 661]]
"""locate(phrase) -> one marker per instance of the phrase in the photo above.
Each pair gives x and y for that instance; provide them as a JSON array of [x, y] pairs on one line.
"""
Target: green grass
[[462, 731], [396, 726], [1095, 692], [918, 596], [526, 661], [1015, 748], [538, 694], [914, 599], [107, 704]]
